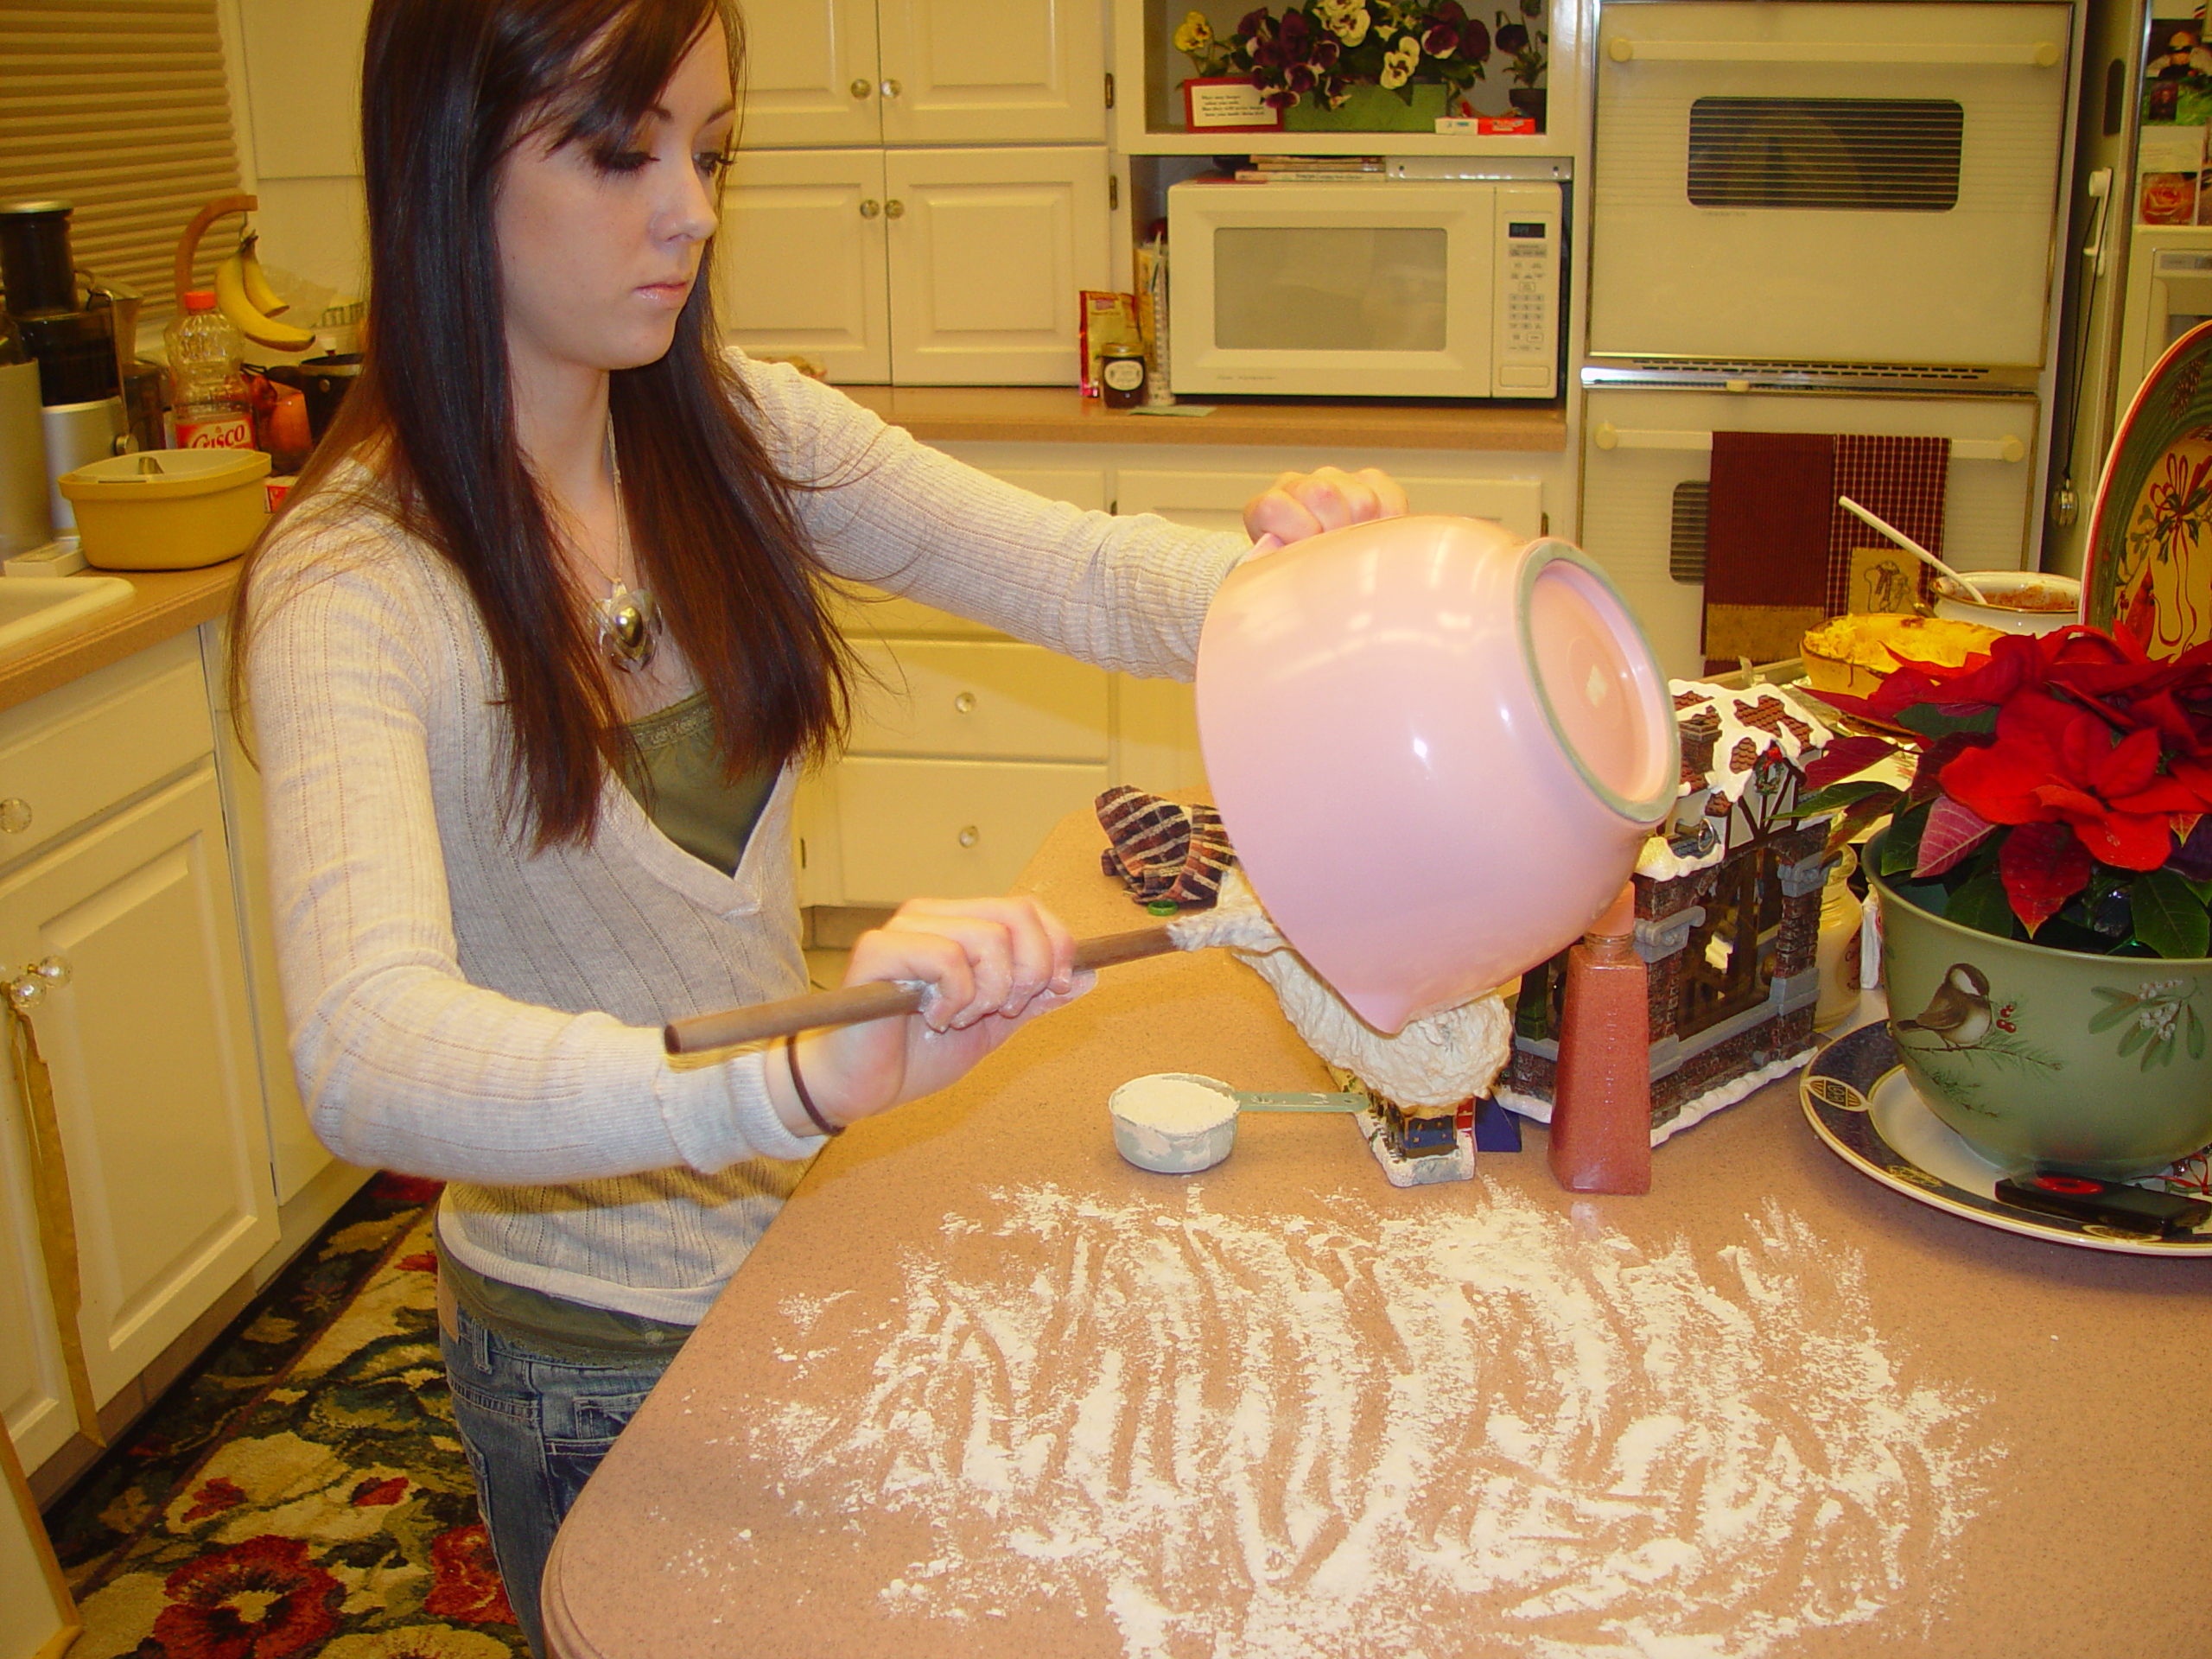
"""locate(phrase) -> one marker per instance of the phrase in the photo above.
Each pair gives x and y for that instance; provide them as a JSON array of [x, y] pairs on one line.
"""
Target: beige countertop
[[985, 1389], [1060, 415], [165, 603]]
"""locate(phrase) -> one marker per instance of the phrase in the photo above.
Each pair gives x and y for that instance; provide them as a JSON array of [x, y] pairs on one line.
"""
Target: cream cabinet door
[[150, 1045], [949, 830], [810, 74], [800, 263], [993, 71], [980, 697], [988, 248]]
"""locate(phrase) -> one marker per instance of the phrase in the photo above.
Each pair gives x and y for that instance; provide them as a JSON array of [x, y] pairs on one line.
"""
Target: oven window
[[1338, 288], [1861, 154]]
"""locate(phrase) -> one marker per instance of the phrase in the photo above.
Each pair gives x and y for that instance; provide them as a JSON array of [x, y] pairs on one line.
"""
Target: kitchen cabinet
[[858, 73], [117, 864], [918, 267]]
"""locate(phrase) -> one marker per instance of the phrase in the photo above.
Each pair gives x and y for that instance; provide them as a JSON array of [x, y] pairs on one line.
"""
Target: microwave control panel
[[1524, 324]]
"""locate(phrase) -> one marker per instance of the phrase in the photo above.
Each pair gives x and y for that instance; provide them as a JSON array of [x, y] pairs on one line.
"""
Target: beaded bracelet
[[798, 1083]]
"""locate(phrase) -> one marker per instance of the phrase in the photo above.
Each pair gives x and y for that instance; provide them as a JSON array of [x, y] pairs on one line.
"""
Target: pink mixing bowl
[[1438, 749]]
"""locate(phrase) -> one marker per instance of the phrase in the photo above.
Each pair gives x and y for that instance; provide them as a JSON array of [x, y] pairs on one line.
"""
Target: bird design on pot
[[1959, 1013]]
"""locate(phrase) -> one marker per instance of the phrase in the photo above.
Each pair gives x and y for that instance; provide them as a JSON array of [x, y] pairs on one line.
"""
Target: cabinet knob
[[14, 815], [28, 988], [894, 208], [892, 89], [970, 835], [964, 703], [862, 86], [870, 208]]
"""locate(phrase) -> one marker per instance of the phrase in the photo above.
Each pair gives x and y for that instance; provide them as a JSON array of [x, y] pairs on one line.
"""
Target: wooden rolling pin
[[856, 1003]]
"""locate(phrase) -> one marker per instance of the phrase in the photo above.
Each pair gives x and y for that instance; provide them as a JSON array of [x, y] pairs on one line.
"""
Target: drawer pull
[[28, 988], [964, 703], [894, 208], [870, 208], [14, 815], [969, 836], [861, 87], [891, 89]]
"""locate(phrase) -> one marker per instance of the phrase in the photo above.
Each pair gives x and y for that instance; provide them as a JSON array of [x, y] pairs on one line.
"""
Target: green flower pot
[[2098, 1065], [1371, 109]]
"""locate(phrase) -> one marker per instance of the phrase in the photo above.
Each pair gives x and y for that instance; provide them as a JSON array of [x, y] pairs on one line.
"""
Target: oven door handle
[[2033, 54], [1607, 436]]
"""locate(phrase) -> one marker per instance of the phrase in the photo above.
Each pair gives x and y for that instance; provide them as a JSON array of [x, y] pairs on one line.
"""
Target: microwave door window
[[1340, 288]]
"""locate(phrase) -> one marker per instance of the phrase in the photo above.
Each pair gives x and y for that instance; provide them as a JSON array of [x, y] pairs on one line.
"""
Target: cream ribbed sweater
[[461, 1008]]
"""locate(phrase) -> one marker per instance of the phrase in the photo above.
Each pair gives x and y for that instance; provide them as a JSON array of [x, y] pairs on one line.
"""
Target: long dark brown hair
[[447, 88]]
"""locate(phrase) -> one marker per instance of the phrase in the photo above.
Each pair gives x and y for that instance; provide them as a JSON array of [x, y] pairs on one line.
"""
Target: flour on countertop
[[1566, 1445]]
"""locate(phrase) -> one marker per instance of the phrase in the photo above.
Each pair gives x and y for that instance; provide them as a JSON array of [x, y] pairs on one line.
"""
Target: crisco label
[[215, 432]]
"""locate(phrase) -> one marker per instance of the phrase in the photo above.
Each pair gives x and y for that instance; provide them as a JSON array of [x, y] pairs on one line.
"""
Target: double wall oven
[[1816, 216]]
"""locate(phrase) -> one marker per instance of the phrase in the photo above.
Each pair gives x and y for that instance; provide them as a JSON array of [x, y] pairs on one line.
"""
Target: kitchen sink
[[33, 606]]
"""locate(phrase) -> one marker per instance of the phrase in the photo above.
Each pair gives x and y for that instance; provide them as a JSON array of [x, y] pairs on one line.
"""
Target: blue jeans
[[535, 1426]]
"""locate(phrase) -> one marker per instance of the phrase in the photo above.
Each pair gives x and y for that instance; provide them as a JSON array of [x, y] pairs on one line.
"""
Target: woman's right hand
[[991, 965]]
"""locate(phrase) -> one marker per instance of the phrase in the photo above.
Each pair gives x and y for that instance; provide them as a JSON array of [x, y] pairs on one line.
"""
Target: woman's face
[[595, 264]]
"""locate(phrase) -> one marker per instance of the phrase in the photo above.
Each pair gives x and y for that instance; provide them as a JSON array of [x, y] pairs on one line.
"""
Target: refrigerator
[[2140, 247]]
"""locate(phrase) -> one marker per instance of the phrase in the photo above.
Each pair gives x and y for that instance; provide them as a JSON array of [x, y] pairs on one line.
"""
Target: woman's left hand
[[1299, 504]]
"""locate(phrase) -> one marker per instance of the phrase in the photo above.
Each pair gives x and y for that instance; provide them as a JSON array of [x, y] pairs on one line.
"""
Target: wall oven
[[1868, 187], [1648, 460]]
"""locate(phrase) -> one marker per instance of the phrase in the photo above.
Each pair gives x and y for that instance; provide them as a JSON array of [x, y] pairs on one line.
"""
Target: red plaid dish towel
[[1900, 479], [1766, 544], [1158, 849]]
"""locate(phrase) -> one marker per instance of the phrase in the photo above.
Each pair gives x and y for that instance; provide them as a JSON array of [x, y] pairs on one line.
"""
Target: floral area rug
[[302, 1491]]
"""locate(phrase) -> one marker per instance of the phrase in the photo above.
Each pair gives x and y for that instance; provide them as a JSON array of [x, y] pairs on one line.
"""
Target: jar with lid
[[210, 409], [1121, 377]]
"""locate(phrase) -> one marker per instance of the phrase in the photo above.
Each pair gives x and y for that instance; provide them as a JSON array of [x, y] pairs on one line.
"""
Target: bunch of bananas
[[251, 305]]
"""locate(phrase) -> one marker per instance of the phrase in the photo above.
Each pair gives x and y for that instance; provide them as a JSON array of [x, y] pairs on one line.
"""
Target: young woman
[[531, 659]]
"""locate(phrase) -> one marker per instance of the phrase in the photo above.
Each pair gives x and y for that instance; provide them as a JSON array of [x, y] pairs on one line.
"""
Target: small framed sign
[[1228, 104]]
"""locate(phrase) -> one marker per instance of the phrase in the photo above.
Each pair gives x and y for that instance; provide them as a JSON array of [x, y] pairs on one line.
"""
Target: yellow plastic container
[[169, 509]]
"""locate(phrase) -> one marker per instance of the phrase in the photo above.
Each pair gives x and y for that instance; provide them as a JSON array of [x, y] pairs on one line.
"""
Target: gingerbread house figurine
[[1727, 915]]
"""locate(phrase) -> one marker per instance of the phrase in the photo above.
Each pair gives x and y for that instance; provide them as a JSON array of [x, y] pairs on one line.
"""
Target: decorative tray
[[2148, 560], [1860, 1101]]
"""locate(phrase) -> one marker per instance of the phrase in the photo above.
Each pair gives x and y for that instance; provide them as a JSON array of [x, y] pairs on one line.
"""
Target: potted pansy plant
[[2046, 884], [1354, 64]]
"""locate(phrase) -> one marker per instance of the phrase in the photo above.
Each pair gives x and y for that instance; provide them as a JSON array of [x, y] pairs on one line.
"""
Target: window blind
[[121, 107]]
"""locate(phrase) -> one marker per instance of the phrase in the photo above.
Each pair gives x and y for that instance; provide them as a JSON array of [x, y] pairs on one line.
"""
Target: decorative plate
[[2150, 550], [1859, 1099]]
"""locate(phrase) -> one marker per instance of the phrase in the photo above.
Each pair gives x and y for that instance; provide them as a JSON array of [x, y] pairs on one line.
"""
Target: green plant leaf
[[1843, 794], [1901, 846], [1847, 825], [1981, 904], [1930, 721], [2169, 918]]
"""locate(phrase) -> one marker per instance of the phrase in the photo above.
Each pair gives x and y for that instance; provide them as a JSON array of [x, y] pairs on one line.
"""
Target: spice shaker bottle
[[1601, 1103]]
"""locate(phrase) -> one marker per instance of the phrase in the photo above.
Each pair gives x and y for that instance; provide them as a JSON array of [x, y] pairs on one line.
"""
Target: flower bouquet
[[2059, 793], [1319, 55], [2044, 880]]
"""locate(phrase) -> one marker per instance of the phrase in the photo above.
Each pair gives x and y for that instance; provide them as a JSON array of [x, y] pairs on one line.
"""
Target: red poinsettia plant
[[2061, 791]]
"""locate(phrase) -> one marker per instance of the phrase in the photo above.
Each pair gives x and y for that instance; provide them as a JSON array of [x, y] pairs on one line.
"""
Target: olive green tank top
[[678, 780]]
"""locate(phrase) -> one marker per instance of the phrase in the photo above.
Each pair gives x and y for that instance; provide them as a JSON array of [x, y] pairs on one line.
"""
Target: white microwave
[[1384, 288]]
